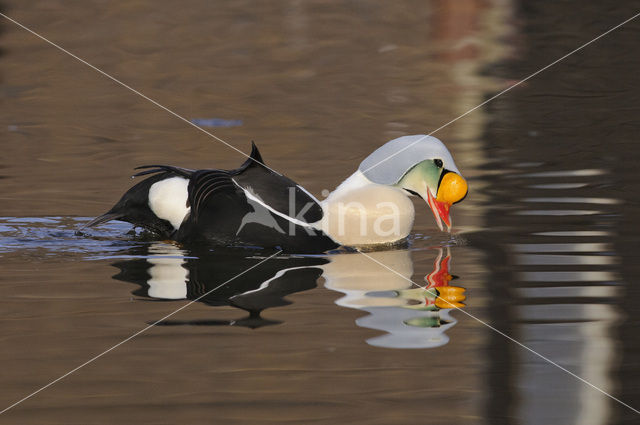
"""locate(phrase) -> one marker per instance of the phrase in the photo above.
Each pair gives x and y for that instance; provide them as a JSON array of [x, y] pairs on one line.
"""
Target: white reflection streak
[[575, 200], [559, 212], [564, 260], [91, 360], [167, 277], [578, 233], [557, 186], [562, 247], [568, 173], [602, 291], [510, 338]]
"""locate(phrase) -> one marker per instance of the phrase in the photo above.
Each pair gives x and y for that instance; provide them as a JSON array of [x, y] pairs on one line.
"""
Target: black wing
[[221, 213], [206, 184], [275, 190], [217, 208]]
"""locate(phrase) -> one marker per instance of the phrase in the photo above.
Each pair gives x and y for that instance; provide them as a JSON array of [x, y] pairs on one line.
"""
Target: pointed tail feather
[[102, 219]]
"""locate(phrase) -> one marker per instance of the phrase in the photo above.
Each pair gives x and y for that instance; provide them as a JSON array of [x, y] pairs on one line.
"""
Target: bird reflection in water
[[411, 316], [167, 272]]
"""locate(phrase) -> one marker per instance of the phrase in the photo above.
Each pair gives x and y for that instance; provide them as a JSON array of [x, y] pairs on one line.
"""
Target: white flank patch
[[168, 200]]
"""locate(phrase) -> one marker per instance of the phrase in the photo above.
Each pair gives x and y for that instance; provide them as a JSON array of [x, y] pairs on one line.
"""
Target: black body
[[221, 212]]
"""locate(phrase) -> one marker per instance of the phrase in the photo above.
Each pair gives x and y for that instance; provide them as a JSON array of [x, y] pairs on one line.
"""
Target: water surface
[[543, 249]]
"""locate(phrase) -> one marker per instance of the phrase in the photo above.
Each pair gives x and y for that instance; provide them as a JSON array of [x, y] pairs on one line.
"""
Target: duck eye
[[438, 163]]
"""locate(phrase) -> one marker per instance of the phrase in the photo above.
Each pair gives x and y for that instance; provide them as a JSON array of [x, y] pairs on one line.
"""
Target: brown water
[[545, 245]]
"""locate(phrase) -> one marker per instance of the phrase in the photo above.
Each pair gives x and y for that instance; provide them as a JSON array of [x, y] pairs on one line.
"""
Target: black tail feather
[[184, 172], [255, 159], [102, 219]]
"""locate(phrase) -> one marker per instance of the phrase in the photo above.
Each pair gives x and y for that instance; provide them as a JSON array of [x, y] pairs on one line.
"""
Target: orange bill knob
[[453, 188]]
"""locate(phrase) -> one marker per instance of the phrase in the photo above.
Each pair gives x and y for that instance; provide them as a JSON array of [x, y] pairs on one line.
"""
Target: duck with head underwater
[[255, 206]]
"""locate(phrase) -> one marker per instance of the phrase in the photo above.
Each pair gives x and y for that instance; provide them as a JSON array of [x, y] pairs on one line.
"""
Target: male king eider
[[253, 205]]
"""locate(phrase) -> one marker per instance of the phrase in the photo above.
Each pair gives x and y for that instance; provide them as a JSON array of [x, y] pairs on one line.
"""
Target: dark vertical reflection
[[562, 228], [623, 136], [500, 371]]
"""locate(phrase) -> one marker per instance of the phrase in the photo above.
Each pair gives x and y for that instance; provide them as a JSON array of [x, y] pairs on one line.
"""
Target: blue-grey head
[[421, 165]]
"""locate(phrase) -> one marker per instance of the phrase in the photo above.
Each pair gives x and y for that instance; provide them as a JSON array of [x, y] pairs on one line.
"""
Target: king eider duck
[[256, 206]]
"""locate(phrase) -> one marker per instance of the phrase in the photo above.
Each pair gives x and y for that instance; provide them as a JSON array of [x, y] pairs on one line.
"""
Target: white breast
[[168, 200], [361, 213]]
